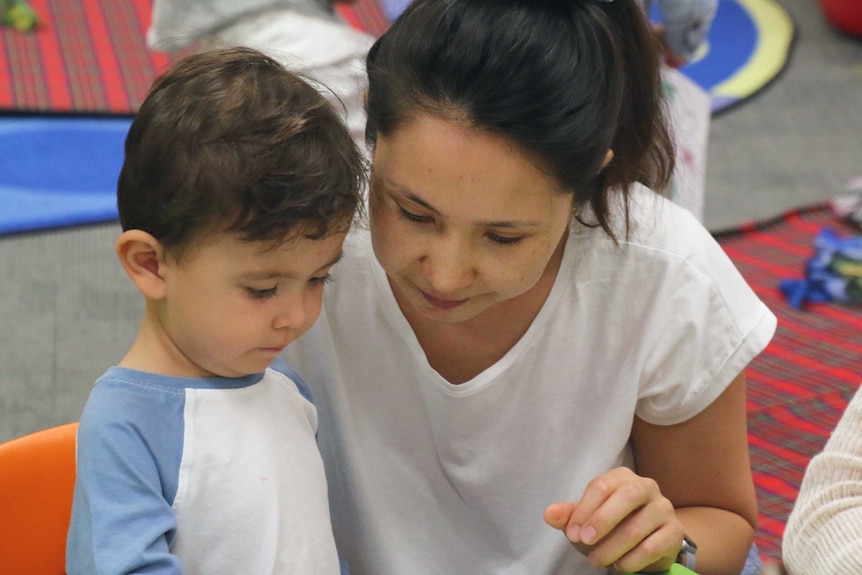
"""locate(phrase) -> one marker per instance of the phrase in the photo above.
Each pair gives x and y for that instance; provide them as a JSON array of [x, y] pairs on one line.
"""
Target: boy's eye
[[413, 217], [262, 293], [321, 280]]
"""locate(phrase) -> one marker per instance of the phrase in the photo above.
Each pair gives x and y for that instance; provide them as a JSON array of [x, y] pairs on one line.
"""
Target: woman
[[526, 323]]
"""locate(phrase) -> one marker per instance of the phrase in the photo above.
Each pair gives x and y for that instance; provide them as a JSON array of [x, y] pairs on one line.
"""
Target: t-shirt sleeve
[[129, 448], [706, 325]]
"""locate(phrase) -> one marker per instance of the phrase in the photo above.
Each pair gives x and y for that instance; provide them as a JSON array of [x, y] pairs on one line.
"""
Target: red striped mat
[[799, 387], [90, 56]]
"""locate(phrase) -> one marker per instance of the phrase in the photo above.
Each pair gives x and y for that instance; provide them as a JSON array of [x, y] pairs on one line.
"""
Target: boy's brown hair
[[230, 141]]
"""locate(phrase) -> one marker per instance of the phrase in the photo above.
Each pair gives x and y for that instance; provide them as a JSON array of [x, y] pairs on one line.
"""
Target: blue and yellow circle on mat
[[747, 47]]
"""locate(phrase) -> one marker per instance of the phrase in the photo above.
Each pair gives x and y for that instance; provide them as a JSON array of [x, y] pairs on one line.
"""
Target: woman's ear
[[609, 155], [142, 256]]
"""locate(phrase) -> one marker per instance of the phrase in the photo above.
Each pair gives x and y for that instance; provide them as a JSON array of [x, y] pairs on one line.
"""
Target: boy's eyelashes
[[417, 219], [264, 293]]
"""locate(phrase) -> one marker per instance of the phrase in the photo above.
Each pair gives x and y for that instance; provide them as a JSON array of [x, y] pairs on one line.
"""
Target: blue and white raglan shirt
[[199, 476]]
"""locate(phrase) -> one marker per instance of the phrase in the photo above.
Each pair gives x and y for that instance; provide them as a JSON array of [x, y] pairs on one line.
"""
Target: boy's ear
[[142, 256]]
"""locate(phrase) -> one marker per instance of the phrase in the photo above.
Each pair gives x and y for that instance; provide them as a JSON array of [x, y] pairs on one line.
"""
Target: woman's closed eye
[[504, 240], [410, 216], [417, 219]]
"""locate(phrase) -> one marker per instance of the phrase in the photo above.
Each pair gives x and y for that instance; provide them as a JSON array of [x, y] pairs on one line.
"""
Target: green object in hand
[[18, 14], [677, 569]]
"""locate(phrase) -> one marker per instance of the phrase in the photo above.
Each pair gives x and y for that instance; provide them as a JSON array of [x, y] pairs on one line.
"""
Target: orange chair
[[37, 479]]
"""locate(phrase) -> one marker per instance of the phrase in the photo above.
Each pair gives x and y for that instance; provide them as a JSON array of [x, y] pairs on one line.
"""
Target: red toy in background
[[845, 15]]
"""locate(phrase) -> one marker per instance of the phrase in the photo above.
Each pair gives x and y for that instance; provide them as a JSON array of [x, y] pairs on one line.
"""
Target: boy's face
[[232, 306]]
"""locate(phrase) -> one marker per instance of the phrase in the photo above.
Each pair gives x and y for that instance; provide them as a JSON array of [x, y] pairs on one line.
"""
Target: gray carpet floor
[[798, 141], [67, 310]]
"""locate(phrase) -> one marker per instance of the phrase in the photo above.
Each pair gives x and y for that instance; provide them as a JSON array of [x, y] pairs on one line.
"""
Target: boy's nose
[[292, 313]]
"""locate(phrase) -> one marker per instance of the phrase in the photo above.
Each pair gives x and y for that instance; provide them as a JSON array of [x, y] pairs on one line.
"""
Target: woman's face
[[462, 219]]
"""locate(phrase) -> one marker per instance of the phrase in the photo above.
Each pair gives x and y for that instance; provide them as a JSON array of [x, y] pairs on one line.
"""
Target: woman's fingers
[[622, 520], [606, 501], [557, 515], [637, 544]]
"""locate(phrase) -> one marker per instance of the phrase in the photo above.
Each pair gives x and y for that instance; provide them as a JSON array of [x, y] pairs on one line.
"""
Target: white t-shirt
[[428, 477]]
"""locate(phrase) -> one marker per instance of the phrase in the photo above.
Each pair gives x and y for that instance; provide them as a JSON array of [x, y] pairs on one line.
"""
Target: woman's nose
[[448, 265]]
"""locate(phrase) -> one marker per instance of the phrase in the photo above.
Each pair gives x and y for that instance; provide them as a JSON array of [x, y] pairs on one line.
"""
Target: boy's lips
[[276, 349]]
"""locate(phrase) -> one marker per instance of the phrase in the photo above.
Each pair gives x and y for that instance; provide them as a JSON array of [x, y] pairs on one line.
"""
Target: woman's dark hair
[[230, 141], [564, 79]]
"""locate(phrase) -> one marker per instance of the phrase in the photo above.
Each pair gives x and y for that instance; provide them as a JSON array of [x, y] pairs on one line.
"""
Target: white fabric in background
[[304, 35], [690, 108]]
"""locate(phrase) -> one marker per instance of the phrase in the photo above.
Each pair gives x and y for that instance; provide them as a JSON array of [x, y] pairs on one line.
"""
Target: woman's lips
[[443, 303]]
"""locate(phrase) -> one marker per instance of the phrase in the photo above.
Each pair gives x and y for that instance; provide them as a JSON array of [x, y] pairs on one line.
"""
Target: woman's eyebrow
[[511, 224], [417, 200]]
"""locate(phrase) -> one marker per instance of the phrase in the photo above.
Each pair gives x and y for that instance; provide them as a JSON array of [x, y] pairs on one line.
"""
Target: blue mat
[[59, 171]]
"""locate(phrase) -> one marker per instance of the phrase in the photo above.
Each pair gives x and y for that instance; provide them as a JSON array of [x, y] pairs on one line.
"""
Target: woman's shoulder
[[647, 221]]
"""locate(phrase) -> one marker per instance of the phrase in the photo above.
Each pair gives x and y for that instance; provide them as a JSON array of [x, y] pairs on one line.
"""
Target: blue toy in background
[[833, 273]]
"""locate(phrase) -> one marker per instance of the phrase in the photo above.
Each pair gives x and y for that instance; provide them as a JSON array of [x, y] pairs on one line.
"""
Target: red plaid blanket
[[90, 56], [799, 387]]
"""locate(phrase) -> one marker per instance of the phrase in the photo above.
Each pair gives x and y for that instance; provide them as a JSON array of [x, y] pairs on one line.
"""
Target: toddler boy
[[194, 454]]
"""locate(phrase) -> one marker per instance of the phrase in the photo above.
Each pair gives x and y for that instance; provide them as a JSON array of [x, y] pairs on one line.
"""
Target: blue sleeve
[[129, 450]]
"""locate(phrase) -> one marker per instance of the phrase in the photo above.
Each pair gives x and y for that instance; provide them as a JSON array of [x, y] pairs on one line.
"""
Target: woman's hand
[[623, 521]]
